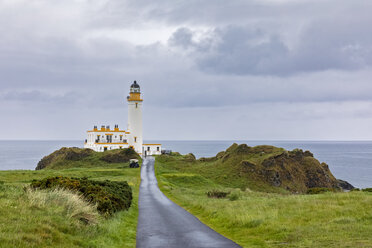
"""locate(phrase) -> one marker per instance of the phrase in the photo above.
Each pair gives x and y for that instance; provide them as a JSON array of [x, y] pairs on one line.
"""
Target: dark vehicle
[[133, 163], [164, 151]]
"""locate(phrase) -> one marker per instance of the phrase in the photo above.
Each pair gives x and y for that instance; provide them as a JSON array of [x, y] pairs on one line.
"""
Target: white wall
[[135, 125], [153, 149]]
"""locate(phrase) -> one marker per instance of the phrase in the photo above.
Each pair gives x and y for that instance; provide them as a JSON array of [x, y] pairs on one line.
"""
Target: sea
[[347, 160]]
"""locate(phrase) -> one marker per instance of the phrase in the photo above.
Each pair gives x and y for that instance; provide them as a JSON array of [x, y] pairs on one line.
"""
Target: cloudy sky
[[240, 69]]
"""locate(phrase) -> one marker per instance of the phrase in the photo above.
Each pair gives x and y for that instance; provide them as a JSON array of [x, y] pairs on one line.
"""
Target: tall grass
[[57, 219], [72, 205]]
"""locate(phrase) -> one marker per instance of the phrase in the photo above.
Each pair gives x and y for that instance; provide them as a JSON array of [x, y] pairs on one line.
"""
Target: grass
[[40, 219], [259, 219], [72, 205]]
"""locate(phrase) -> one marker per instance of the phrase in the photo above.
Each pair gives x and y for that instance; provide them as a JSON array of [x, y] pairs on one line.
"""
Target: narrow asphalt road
[[162, 223]]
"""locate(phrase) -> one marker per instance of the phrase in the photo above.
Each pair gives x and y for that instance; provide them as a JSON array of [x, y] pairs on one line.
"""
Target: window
[[148, 148], [135, 139], [157, 148], [136, 105]]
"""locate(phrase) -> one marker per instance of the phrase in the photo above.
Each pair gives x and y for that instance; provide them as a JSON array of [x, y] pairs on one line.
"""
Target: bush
[[189, 157], [109, 196], [217, 194], [314, 191], [234, 196]]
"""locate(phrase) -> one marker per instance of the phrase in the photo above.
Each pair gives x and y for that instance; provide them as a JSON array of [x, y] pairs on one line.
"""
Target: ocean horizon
[[347, 160]]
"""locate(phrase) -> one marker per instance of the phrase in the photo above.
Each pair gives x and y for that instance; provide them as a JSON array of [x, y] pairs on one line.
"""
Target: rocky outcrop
[[119, 155], [69, 154], [78, 157], [296, 170], [189, 157], [344, 185]]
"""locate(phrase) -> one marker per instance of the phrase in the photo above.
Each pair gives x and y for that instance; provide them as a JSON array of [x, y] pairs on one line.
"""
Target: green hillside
[[260, 168], [233, 194]]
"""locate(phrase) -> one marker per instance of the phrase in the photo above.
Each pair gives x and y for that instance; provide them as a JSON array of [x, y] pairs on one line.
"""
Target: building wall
[[101, 147], [116, 142], [135, 125], [151, 149]]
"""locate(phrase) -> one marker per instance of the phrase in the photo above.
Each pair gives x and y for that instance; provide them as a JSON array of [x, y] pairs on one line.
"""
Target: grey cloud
[[36, 96], [303, 65], [242, 51], [182, 37]]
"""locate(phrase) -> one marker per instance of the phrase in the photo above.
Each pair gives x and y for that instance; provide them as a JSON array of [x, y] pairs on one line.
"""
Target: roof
[[135, 85]]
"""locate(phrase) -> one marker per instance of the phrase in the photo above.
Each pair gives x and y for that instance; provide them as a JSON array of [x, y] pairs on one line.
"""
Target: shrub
[[234, 196], [74, 205], [109, 196], [314, 191], [189, 157], [217, 194]]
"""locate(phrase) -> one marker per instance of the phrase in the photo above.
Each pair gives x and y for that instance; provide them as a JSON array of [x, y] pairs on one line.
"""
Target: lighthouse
[[105, 138], [135, 117]]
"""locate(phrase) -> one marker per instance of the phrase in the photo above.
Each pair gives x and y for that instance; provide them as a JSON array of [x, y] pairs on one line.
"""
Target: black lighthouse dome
[[135, 87]]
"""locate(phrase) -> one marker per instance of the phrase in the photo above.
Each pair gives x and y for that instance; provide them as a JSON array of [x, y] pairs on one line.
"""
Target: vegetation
[[261, 168], [314, 191], [217, 194], [72, 205], [109, 196], [269, 216], [77, 157], [60, 217]]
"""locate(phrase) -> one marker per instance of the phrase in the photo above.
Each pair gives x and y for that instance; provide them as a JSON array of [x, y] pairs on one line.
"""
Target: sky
[[208, 70]]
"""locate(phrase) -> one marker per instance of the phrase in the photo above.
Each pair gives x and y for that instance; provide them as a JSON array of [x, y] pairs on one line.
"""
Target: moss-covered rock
[[79, 157], [119, 155], [295, 170], [189, 157], [266, 168], [65, 153]]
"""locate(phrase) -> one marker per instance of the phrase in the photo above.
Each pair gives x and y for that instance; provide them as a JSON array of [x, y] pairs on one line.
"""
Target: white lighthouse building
[[104, 139], [135, 116]]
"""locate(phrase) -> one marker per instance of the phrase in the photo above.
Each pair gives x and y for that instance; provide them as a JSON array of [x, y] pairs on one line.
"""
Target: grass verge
[[40, 220], [259, 219]]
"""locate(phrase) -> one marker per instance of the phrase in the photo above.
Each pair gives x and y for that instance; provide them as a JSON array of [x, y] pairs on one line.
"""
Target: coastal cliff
[[264, 167], [296, 171]]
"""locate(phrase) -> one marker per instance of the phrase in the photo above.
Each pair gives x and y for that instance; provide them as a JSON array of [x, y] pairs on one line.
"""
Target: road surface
[[162, 223]]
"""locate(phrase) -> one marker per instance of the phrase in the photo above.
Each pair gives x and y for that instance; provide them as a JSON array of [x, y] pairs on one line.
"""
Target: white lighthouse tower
[[105, 139], [135, 117]]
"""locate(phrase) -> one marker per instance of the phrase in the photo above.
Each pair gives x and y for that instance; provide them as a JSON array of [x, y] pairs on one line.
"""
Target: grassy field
[[24, 223], [258, 219]]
